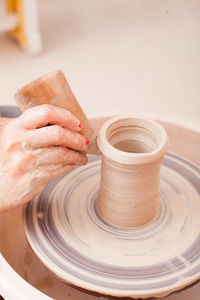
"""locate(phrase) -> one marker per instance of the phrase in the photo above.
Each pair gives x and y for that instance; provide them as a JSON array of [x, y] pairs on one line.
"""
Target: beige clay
[[132, 150]]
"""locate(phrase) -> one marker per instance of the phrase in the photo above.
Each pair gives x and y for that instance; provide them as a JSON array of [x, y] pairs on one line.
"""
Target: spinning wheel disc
[[65, 231]]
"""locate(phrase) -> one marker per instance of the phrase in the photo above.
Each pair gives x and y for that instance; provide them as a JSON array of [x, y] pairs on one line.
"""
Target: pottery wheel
[[65, 231]]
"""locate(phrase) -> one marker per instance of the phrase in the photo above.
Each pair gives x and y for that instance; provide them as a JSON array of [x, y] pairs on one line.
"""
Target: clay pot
[[132, 150]]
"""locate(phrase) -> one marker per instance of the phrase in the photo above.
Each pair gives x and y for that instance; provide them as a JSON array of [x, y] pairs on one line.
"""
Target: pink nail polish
[[87, 142], [80, 125]]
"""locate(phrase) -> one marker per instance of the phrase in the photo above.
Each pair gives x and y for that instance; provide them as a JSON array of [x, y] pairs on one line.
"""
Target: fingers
[[56, 136], [58, 156], [63, 170], [51, 162], [42, 115]]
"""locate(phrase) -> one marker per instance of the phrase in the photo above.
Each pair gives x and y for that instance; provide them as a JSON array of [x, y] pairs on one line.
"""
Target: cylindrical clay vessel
[[132, 149]]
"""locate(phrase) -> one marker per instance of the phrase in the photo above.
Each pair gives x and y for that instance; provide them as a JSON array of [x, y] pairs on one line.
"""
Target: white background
[[119, 55]]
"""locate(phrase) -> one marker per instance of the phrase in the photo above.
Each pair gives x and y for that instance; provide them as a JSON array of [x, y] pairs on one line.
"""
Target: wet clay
[[132, 150]]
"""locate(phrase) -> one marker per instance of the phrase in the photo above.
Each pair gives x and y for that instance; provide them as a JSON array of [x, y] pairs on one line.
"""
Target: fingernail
[[87, 142], [80, 125]]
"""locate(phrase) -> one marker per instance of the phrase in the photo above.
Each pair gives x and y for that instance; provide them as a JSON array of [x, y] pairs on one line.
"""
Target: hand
[[32, 153]]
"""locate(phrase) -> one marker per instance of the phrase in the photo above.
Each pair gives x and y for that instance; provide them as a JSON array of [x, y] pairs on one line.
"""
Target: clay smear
[[132, 150]]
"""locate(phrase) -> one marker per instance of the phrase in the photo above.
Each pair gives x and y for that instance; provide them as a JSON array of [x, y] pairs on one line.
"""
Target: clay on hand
[[32, 153]]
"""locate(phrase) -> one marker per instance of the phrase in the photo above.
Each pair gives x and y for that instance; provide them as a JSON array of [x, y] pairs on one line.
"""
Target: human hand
[[32, 153]]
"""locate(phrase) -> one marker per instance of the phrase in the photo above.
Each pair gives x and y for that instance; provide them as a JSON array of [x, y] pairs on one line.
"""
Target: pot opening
[[132, 138]]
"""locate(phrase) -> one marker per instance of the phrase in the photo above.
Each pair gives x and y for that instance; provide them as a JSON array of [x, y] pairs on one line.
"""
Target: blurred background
[[135, 56]]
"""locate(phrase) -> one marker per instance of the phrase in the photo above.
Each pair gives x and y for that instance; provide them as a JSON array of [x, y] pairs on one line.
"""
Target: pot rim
[[127, 157]]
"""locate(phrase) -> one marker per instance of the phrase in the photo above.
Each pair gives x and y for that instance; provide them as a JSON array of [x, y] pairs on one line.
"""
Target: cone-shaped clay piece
[[54, 89]]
